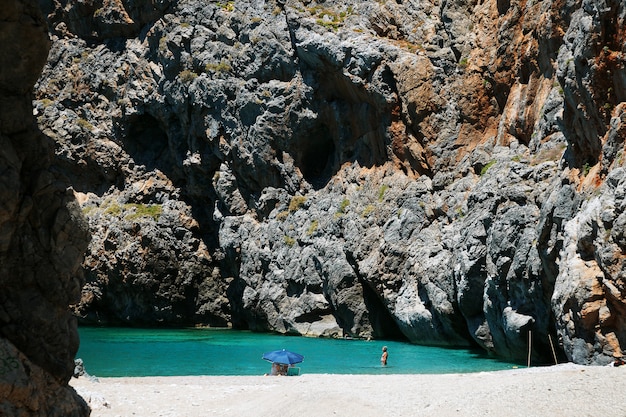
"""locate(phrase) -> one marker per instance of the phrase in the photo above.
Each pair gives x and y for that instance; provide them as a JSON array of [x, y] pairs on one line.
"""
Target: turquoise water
[[109, 352]]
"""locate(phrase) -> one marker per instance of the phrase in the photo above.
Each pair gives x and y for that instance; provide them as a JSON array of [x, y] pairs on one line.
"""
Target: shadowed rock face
[[449, 173], [43, 236]]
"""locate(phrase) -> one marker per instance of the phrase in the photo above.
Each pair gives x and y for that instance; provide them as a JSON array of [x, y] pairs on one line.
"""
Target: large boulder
[[43, 236]]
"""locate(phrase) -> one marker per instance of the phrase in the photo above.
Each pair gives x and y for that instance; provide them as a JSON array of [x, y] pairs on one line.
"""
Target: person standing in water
[[383, 357]]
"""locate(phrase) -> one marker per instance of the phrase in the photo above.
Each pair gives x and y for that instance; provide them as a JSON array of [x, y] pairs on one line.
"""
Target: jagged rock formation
[[43, 236], [448, 172]]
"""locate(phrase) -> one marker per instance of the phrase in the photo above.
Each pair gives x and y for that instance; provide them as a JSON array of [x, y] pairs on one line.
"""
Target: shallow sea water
[[114, 352]]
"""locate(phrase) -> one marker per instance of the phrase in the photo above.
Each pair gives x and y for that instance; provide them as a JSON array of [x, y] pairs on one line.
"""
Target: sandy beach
[[562, 390]]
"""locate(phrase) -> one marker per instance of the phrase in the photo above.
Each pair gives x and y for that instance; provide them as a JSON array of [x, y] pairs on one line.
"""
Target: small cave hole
[[316, 157], [147, 143], [503, 6]]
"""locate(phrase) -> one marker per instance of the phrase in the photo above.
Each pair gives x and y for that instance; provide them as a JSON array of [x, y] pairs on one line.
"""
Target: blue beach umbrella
[[283, 356]]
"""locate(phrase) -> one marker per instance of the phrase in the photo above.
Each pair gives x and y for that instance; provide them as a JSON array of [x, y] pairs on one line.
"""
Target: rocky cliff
[[43, 236], [445, 171]]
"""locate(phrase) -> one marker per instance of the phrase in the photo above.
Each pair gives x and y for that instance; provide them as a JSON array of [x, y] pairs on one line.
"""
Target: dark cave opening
[[503, 6], [383, 324], [350, 126], [317, 157], [147, 143]]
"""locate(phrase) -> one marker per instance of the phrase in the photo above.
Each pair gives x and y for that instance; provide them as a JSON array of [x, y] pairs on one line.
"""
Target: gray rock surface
[[443, 172]]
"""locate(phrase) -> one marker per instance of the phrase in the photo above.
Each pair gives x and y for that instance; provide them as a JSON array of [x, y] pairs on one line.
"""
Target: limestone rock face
[[448, 173], [43, 236], [102, 19]]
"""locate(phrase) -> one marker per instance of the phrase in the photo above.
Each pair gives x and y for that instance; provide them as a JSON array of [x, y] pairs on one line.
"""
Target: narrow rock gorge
[[449, 172]]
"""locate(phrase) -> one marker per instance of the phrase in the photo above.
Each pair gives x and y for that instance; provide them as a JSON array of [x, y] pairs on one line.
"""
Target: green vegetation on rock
[[489, 164], [137, 211], [296, 202], [312, 227], [381, 192]]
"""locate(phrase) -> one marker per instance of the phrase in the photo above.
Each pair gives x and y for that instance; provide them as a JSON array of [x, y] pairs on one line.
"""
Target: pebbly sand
[[562, 390]]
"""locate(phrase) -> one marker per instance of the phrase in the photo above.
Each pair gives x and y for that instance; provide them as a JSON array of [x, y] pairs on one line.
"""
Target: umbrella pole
[[530, 345], [556, 362]]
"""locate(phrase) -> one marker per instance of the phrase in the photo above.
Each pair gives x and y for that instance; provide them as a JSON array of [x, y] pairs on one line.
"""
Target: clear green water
[[109, 352]]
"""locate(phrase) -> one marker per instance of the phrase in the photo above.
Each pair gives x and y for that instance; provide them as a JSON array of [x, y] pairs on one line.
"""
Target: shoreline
[[558, 390]]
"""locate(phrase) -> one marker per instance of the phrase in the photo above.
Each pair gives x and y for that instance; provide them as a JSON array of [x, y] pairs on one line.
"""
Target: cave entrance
[[383, 324], [147, 143], [317, 157]]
